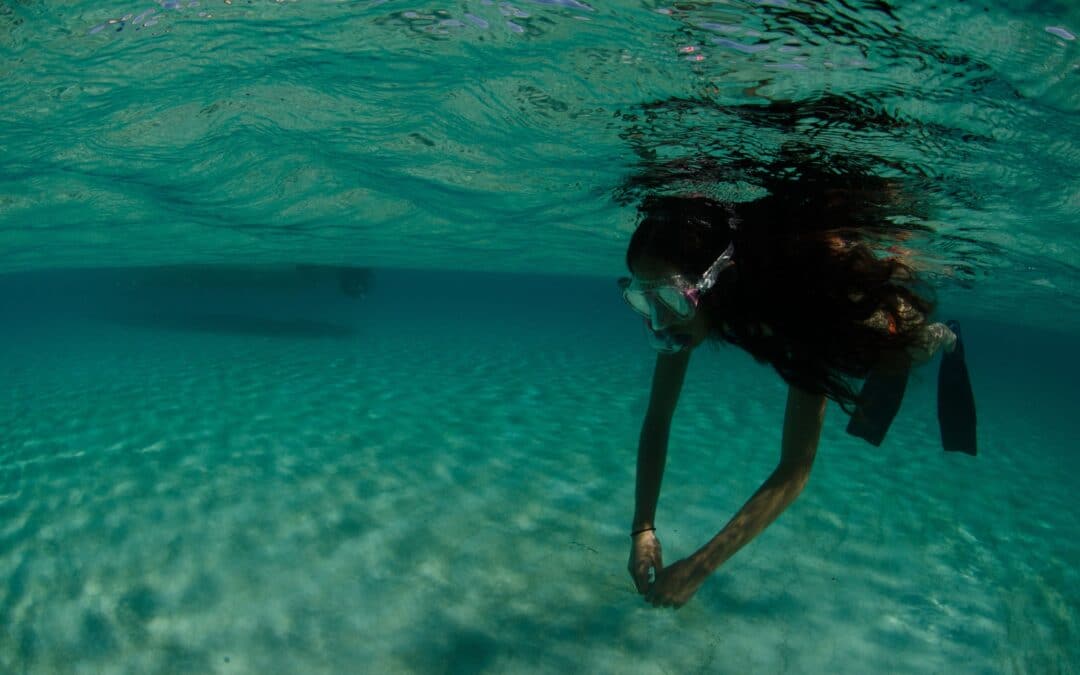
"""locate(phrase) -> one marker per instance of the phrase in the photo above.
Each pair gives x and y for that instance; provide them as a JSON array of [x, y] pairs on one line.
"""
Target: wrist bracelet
[[644, 529]]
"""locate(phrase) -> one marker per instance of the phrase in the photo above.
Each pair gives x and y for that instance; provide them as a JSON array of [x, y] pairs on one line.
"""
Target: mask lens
[[676, 301], [638, 301]]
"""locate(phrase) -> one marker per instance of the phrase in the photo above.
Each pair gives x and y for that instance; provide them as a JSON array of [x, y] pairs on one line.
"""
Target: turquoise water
[[240, 469], [441, 481]]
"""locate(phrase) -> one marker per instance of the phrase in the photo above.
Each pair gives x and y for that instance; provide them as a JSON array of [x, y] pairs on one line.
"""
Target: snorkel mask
[[673, 300]]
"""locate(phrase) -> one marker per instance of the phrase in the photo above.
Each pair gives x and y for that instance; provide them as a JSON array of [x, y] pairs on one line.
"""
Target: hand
[[675, 585], [645, 555]]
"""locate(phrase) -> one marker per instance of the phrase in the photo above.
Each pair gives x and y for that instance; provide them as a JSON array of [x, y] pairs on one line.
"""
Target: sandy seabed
[[418, 497]]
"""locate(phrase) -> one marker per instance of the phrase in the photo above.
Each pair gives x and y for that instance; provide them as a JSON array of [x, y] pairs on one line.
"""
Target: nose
[[659, 316]]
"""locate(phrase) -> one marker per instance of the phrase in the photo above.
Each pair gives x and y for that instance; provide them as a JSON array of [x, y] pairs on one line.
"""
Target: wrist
[[635, 532]]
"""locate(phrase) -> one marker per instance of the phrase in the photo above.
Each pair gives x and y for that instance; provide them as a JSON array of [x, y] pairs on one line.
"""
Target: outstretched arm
[[803, 419], [652, 455], [652, 444]]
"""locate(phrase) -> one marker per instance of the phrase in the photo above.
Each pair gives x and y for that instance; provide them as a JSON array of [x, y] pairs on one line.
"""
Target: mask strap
[[713, 273]]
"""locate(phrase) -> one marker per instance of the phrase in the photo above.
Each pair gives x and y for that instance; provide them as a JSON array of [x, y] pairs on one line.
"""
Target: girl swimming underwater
[[797, 279]]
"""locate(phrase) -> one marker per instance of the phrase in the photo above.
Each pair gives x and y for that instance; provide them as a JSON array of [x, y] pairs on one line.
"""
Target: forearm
[[653, 441], [803, 418], [652, 455], [776, 494]]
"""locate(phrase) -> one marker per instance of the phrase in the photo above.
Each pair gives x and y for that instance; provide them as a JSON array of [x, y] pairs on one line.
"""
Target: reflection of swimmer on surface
[[796, 279]]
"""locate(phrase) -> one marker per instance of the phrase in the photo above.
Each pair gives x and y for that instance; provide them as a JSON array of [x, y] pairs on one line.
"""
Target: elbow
[[795, 475], [802, 477]]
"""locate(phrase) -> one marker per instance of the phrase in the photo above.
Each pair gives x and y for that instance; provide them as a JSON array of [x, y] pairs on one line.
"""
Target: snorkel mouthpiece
[[667, 341]]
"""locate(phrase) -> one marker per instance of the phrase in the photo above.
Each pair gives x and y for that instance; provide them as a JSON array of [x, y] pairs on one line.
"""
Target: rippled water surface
[[494, 135]]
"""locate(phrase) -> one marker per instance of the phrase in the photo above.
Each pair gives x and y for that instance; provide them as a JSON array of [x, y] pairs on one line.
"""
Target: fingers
[[660, 599], [644, 566], [655, 598], [650, 571], [640, 573], [660, 593]]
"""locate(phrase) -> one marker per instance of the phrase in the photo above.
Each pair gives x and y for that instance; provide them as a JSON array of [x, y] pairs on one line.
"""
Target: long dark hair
[[815, 290]]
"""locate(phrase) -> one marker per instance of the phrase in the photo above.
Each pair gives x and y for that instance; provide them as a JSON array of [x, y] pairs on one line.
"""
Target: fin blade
[[956, 401]]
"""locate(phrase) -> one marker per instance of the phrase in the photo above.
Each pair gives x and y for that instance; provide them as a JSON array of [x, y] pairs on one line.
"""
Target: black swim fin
[[955, 401], [878, 404]]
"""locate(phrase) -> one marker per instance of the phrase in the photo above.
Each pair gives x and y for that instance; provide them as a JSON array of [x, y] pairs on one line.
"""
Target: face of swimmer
[[669, 332]]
